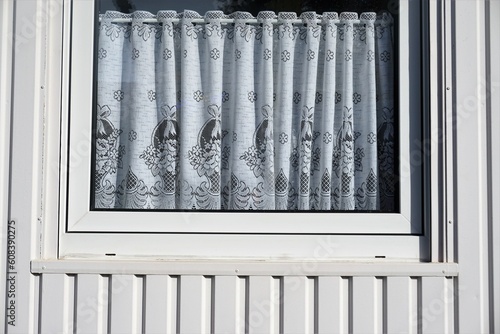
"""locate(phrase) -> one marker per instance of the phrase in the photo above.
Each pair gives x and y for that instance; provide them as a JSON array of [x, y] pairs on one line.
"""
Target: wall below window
[[124, 303]]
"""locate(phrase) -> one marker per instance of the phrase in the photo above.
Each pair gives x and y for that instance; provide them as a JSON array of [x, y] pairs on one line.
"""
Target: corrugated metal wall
[[93, 303]]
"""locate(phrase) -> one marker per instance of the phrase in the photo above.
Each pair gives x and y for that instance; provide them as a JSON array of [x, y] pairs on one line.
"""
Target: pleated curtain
[[197, 113]]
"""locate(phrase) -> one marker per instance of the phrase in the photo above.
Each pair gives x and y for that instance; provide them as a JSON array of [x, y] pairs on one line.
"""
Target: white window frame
[[404, 235]]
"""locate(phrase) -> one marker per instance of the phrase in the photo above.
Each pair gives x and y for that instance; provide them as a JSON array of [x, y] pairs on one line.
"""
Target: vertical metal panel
[[366, 304], [91, 304], [229, 305], [298, 305], [56, 305], [26, 154], [195, 305], [494, 94], [125, 315], [333, 305], [471, 161], [380, 305], [401, 305], [263, 305], [450, 293], [437, 305], [160, 304], [6, 43]]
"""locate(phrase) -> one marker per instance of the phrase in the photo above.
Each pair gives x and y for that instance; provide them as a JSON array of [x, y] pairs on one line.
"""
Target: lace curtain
[[265, 115]]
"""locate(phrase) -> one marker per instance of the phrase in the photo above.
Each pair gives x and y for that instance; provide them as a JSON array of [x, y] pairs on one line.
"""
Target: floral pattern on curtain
[[243, 116]]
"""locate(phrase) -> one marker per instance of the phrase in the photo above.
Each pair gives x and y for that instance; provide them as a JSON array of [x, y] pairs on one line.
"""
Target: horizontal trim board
[[243, 268]]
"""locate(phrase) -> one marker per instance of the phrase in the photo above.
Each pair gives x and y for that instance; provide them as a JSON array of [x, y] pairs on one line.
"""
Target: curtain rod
[[224, 21]]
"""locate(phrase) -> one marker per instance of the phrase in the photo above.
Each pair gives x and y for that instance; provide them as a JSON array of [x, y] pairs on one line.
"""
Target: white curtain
[[272, 115]]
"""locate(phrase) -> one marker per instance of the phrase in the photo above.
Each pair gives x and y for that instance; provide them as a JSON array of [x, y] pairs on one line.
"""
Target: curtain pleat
[[244, 116]]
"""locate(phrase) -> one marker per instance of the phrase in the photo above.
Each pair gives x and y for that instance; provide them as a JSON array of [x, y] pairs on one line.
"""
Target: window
[[296, 229]]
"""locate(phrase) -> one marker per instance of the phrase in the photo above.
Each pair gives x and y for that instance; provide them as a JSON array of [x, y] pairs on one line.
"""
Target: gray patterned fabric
[[268, 116]]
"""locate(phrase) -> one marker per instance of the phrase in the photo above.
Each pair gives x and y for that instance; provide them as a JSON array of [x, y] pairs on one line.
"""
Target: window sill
[[376, 267]]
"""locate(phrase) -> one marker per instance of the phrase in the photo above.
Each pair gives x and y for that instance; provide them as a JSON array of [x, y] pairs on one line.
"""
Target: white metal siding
[[94, 303], [356, 301]]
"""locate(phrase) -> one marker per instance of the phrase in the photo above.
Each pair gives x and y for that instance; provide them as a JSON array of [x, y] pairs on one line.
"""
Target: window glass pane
[[261, 111]]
